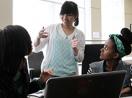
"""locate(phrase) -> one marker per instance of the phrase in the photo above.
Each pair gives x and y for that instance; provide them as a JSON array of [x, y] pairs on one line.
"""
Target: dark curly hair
[[126, 39]]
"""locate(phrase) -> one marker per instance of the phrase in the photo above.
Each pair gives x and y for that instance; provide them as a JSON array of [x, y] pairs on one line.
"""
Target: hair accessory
[[119, 45]]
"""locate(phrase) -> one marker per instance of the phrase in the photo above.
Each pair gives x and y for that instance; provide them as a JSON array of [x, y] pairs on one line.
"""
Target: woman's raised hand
[[43, 34]]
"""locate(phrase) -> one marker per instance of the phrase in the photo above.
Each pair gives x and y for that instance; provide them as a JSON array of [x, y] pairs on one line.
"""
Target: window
[[112, 17], [34, 14]]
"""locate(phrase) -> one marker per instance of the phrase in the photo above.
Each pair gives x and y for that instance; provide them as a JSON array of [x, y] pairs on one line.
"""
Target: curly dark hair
[[126, 39]]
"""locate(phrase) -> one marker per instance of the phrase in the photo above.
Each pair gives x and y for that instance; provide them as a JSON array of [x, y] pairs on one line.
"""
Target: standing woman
[[65, 44]]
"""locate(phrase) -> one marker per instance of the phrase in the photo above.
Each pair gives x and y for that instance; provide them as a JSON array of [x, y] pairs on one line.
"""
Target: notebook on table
[[99, 85]]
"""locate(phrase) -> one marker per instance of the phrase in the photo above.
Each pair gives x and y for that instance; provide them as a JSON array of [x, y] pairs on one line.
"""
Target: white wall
[[128, 12], [95, 17], [96, 14]]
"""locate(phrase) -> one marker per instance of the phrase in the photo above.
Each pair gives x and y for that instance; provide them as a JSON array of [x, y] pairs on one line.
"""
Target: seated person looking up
[[116, 47]]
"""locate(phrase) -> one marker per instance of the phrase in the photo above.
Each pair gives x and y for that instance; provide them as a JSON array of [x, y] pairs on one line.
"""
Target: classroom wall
[[5, 12], [128, 12], [96, 16]]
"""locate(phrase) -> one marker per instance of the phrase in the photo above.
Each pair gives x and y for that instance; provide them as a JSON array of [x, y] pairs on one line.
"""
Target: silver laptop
[[99, 85]]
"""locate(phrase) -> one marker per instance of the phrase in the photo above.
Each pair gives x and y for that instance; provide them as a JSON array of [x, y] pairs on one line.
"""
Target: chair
[[34, 62], [91, 54]]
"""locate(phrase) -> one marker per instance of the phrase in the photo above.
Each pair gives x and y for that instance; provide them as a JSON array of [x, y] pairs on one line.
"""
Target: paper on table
[[38, 94]]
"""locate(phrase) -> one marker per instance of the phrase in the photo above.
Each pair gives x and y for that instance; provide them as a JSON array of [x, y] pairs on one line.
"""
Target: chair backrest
[[91, 54], [34, 62]]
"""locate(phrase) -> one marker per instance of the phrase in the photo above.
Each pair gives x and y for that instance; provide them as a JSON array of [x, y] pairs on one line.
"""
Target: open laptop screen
[[100, 85]]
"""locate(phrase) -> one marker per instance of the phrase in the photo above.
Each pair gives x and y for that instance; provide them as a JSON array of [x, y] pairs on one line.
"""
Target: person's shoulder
[[124, 63], [78, 30], [96, 64], [52, 25], [79, 33]]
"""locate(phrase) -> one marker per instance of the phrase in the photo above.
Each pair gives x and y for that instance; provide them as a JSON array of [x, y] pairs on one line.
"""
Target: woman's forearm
[[37, 42]]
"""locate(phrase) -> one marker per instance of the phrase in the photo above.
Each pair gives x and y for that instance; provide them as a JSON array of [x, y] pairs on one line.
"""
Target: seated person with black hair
[[116, 47], [15, 44]]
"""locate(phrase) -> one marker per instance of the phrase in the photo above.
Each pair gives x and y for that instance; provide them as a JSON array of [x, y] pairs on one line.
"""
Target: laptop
[[98, 85]]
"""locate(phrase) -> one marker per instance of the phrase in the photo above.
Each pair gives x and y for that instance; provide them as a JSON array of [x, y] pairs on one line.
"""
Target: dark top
[[22, 80]]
